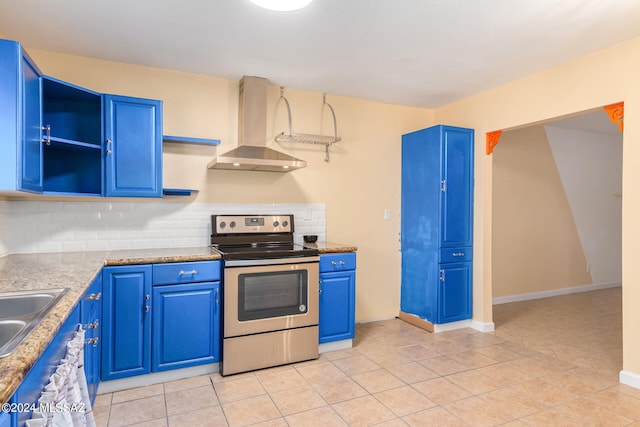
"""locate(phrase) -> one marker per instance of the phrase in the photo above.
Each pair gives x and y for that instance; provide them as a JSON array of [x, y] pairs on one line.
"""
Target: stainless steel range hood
[[252, 153]]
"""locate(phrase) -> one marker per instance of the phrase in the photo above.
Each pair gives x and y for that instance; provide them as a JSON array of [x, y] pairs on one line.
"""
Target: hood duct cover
[[252, 153]]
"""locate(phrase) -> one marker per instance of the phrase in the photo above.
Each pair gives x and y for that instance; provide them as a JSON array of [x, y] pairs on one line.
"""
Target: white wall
[[43, 226], [590, 168]]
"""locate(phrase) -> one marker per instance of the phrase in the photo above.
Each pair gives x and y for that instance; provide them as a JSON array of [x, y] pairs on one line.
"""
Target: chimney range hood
[[252, 154]]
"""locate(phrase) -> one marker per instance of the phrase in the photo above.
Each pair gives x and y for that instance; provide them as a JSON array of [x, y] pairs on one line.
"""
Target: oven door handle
[[269, 261]]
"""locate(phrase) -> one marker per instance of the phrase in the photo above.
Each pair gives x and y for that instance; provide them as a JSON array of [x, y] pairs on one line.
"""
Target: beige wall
[[599, 79], [534, 237], [361, 180]]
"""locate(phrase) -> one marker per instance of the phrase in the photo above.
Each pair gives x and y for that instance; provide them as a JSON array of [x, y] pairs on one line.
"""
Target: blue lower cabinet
[[337, 297], [150, 325], [126, 314], [186, 325], [91, 319], [5, 419]]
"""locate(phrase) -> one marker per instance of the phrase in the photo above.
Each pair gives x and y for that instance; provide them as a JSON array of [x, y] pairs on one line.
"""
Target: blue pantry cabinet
[[337, 297], [437, 223], [61, 139]]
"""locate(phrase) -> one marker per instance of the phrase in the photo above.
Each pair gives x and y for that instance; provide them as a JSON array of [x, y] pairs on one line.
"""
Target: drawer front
[[337, 262], [186, 272], [456, 254]]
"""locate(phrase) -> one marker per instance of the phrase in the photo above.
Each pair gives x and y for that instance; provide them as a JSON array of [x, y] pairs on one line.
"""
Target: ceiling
[[424, 53]]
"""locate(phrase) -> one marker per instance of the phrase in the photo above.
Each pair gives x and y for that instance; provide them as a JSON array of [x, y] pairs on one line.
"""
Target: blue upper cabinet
[[437, 223], [20, 120], [133, 155]]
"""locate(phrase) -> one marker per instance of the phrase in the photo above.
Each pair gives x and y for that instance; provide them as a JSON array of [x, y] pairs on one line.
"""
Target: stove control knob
[[276, 223], [232, 224], [223, 224], [285, 223]]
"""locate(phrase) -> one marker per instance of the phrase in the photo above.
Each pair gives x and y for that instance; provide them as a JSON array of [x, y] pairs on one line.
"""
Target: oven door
[[275, 295]]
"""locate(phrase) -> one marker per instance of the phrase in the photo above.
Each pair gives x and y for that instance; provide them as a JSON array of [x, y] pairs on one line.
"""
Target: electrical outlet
[[387, 214]]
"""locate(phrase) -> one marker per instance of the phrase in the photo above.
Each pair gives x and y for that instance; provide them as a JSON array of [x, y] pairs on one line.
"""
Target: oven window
[[273, 294]]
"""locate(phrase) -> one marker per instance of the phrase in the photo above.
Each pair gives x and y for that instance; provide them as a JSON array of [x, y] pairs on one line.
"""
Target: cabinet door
[[31, 164], [337, 306], [126, 313], [186, 325], [91, 319], [5, 419], [454, 292], [456, 203], [133, 158]]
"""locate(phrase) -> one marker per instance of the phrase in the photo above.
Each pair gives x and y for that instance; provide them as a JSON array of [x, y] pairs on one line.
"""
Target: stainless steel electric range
[[270, 292]]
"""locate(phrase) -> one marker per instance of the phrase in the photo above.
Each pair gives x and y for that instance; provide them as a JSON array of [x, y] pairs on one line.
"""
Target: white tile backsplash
[[35, 226]]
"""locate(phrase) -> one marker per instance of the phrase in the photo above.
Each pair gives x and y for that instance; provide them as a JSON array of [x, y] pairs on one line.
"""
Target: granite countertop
[[74, 271], [331, 247]]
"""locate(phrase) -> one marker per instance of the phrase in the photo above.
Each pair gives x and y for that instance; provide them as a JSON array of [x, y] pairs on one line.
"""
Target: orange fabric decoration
[[492, 140], [616, 114]]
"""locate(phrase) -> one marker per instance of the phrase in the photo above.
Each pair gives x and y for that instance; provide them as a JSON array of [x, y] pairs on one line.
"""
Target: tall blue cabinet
[[437, 223]]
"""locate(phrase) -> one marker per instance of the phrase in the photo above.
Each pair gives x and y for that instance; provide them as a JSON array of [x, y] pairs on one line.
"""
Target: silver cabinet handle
[[109, 151], [93, 341], [341, 262], [147, 307], [47, 139], [188, 273], [458, 254], [93, 325], [442, 275], [94, 297], [336, 263]]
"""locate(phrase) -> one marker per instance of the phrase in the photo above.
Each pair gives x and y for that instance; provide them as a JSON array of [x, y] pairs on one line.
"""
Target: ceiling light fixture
[[281, 5]]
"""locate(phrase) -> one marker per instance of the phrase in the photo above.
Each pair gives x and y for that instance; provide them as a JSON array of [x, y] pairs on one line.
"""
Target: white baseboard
[[451, 326], [336, 345], [554, 293], [156, 378], [483, 326], [629, 378]]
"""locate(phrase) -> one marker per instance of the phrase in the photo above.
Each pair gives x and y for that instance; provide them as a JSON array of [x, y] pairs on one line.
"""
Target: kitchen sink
[[20, 312]]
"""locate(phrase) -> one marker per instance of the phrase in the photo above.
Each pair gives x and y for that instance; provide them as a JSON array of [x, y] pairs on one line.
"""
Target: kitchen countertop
[[331, 247], [75, 271]]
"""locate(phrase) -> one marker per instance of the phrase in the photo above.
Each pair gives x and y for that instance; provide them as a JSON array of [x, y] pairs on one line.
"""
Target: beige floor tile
[[280, 380], [617, 401], [418, 352], [363, 411], [320, 372], [472, 359], [340, 354], [339, 389], [296, 400], [250, 411], [577, 384], [355, 365], [229, 391], [137, 393], [205, 417], [187, 383], [589, 413], [412, 372], [441, 391], [276, 422], [549, 394], [474, 382], [137, 411], [503, 375], [434, 417], [404, 400], [320, 417], [443, 365], [387, 357], [102, 400], [190, 399], [513, 403], [101, 415], [397, 422], [377, 380], [552, 418], [476, 412]]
